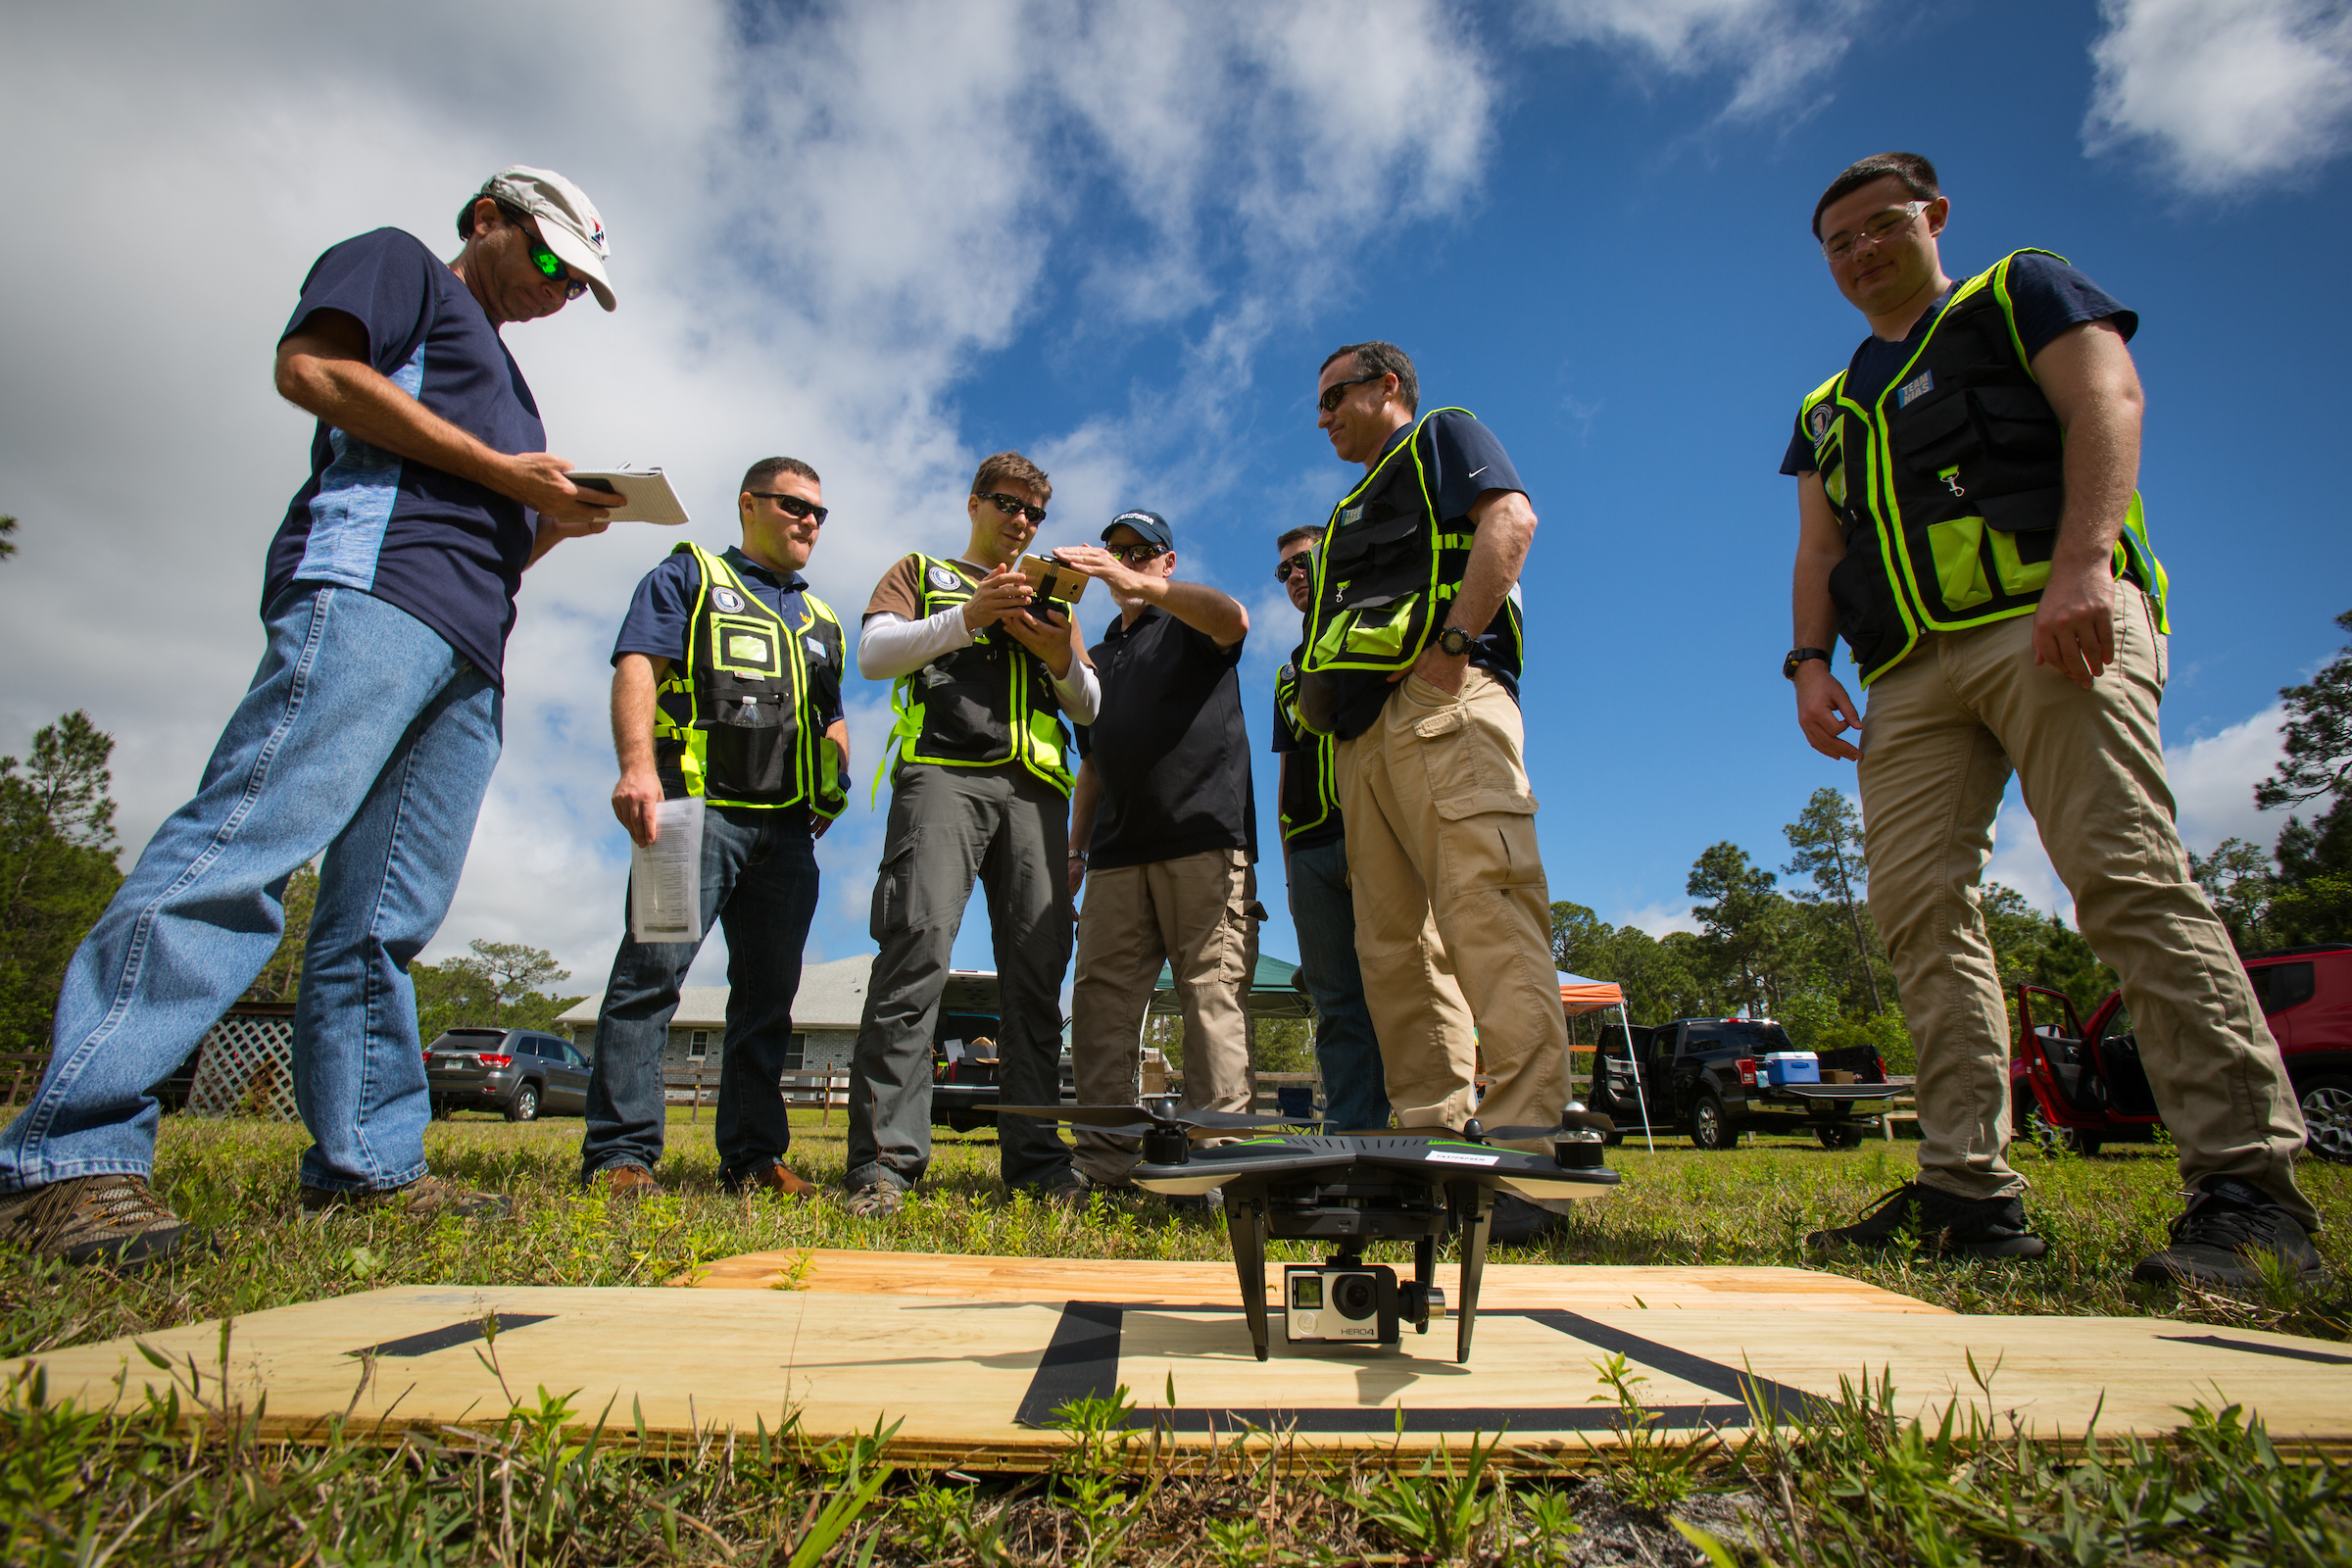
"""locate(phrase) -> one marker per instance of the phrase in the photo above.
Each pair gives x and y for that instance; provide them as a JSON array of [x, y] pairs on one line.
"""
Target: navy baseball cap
[[1150, 524]]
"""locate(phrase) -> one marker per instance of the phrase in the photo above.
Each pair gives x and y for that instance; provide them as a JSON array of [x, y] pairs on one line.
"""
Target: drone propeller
[[1137, 1118]]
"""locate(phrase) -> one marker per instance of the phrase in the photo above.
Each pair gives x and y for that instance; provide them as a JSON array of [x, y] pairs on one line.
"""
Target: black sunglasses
[[551, 266], [1304, 561], [1137, 555], [1330, 399], [794, 505], [1011, 508]]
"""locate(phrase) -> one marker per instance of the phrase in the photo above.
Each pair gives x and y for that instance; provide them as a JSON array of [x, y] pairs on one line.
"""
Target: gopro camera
[[1352, 1303]]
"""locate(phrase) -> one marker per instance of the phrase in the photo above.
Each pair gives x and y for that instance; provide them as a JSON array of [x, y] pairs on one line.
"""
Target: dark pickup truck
[[1706, 1077]]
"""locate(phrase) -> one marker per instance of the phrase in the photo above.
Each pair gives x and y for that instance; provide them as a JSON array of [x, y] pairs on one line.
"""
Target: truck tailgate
[[1852, 1094]]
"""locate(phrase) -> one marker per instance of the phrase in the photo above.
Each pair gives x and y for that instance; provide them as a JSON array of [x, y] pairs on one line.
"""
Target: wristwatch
[[1454, 641], [1798, 655]]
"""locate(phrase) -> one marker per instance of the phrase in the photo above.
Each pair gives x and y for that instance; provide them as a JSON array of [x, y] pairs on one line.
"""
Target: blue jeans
[[760, 885], [368, 737], [1356, 1092]]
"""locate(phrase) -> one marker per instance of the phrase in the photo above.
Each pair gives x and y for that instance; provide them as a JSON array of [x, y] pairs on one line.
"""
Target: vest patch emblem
[[1817, 422], [1919, 388], [727, 599], [1351, 515], [815, 647], [947, 578]]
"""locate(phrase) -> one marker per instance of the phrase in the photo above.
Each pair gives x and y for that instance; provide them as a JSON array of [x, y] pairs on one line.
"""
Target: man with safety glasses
[[1163, 837], [368, 733], [726, 689], [1968, 520], [1413, 657], [980, 790]]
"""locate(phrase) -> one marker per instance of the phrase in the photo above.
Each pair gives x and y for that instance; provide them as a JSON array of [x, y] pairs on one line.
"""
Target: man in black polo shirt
[[1164, 821]]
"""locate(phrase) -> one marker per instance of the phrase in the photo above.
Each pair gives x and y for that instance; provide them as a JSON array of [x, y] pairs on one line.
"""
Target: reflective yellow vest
[[1949, 487], [980, 706], [1386, 568], [1312, 796], [731, 720]]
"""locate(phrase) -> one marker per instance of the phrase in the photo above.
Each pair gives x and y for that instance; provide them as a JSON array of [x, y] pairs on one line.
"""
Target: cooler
[[1784, 1067]]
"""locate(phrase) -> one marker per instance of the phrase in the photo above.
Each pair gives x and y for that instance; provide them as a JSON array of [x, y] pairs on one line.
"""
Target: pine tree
[[57, 869]]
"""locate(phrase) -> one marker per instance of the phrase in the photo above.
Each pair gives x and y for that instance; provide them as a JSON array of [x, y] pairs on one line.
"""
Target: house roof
[[832, 996]]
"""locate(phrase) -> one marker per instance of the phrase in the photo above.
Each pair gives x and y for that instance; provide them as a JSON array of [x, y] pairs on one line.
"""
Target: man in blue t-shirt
[[368, 733], [726, 688], [1969, 521], [1421, 690]]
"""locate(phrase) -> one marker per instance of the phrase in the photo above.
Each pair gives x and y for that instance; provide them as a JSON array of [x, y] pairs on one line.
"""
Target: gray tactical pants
[[948, 827]]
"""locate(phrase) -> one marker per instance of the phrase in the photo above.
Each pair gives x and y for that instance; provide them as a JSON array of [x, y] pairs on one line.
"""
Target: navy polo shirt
[[447, 551], [662, 611], [1169, 744]]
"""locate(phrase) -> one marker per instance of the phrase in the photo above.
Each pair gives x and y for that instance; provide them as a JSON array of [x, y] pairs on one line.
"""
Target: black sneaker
[[112, 1220], [1515, 1222], [1981, 1227], [2217, 1238]]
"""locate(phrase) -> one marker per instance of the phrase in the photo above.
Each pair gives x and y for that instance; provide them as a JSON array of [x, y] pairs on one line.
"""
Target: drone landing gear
[[1245, 1227], [1473, 1206]]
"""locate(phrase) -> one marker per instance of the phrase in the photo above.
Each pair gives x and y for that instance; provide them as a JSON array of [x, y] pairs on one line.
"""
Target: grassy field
[[72, 1483]]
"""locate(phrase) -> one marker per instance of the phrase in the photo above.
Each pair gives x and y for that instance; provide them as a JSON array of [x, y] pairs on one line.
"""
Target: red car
[[2077, 1088]]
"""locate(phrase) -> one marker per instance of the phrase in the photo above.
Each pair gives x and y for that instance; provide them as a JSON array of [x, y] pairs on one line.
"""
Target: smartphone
[[1056, 587]]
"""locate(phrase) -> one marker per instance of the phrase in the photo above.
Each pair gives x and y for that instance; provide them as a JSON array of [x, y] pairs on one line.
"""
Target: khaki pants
[[1193, 914], [1943, 729], [1441, 830]]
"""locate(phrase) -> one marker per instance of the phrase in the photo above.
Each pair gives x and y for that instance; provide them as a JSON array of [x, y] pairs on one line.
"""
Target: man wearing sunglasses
[[1163, 836], [1411, 664], [368, 733], [979, 791], [726, 687], [1968, 520]]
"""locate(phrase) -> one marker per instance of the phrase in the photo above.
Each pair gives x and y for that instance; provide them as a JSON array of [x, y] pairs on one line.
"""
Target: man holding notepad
[[726, 693], [368, 733]]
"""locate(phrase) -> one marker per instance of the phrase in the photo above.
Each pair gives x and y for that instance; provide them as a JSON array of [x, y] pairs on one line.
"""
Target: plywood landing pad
[[1583, 1288], [973, 1382]]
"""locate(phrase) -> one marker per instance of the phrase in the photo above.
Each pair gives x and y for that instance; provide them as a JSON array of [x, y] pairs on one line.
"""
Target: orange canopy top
[[1580, 995]]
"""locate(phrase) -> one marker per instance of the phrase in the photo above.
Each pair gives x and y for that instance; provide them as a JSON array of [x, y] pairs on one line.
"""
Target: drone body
[[1347, 1189]]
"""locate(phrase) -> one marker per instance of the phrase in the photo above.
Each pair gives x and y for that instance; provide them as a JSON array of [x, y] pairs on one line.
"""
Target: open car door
[[2060, 1065]]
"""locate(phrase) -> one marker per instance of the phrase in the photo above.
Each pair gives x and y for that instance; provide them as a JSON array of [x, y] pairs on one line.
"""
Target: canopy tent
[[1578, 995], [1274, 991]]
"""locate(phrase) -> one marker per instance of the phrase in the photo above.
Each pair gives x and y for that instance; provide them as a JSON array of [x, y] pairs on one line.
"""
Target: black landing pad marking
[[2221, 1344], [1081, 1362], [455, 1335]]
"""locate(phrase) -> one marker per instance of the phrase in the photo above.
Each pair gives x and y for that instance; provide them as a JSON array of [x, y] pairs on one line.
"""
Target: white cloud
[[1777, 49], [1659, 919], [820, 221], [2225, 92], [2213, 792]]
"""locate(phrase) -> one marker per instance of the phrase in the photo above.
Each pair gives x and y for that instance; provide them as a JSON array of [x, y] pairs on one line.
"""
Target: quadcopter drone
[[1347, 1189]]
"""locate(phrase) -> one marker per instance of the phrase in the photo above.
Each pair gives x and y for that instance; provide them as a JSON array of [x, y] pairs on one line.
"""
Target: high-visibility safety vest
[[1949, 487], [1386, 568], [731, 720], [1311, 795], [980, 706]]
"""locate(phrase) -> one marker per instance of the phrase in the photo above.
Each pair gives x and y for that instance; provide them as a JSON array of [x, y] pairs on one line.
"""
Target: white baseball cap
[[569, 224]]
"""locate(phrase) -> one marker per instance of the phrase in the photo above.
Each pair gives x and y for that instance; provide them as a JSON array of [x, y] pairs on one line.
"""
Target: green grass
[[1874, 1487]]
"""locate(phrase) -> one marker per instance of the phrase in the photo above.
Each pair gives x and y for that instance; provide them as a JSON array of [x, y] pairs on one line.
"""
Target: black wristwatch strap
[[1798, 655]]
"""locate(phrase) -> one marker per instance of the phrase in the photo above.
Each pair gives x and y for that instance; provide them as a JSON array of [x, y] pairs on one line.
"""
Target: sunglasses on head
[[1304, 561], [1011, 508], [794, 505], [551, 266]]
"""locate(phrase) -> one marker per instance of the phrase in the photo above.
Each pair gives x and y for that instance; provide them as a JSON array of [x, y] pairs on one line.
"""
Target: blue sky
[[891, 238]]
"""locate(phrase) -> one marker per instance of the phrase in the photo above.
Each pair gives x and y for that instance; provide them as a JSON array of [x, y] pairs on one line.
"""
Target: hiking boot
[[1516, 1222], [877, 1200], [1979, 1227], [626, 1181], [425, 1198], [112, 1220], [2217, 1241], [769, 1178]]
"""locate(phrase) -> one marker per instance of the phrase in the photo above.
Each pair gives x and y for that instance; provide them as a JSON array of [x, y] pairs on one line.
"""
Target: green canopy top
[[1274, 991]]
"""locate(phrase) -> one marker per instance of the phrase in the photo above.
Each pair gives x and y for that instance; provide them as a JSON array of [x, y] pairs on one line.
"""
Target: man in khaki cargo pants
[[1441, 821], [2023, 627]]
